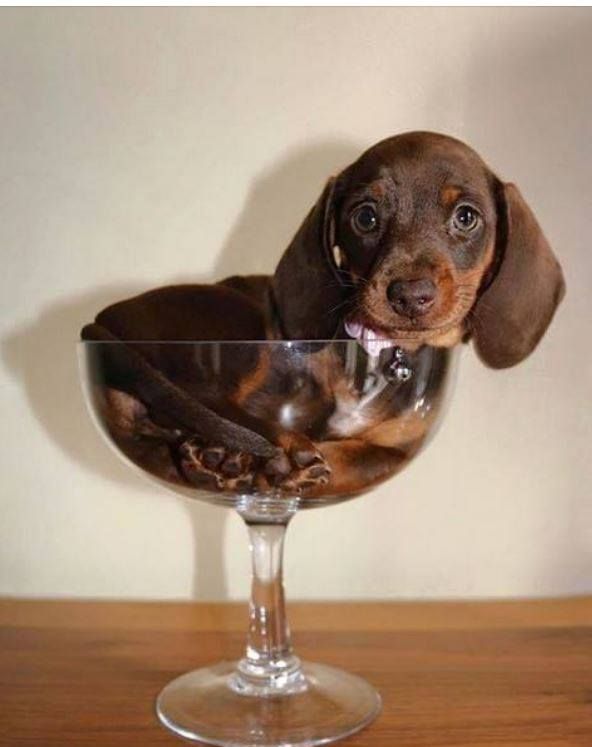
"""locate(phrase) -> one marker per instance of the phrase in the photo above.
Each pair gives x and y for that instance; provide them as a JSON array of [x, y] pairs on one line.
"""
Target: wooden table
[[477, 674]]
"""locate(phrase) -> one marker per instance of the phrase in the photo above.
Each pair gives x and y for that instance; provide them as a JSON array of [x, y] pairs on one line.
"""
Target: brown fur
[[498, 284], [450, 194], [252, 382]]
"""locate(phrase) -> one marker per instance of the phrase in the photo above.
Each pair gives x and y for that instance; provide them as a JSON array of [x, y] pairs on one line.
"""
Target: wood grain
[[478, 674]]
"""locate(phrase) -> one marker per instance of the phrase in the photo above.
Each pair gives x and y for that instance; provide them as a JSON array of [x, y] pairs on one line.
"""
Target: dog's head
[[420, 243]]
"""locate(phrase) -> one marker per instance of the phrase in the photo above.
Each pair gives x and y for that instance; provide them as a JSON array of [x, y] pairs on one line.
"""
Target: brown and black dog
[[417, 242]]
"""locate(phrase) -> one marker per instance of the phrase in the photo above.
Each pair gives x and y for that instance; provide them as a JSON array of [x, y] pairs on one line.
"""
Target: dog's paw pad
[[298, 467], [213, 457], [278, 467], [214, 468]]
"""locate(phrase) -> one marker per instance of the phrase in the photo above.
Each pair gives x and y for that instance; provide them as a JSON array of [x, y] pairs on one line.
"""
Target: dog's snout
[[411, 298]]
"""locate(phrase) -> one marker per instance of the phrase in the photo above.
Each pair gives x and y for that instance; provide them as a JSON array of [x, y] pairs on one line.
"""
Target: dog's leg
[[127, 417], [161, 396], [375, 455], [227, 452], [357, 465]]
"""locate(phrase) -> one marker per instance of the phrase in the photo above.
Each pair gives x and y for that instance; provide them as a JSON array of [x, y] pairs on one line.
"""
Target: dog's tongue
[[372, 342]]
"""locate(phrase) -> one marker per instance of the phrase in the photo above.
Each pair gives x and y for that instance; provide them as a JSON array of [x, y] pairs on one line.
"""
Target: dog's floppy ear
[[306, 285], [513, 312]]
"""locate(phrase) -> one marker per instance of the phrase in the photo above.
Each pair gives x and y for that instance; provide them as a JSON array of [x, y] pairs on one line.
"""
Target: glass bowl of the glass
[[267, 428]]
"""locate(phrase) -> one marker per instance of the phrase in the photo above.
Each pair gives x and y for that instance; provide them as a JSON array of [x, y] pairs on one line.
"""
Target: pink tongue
[[354, 329], [371, 341]]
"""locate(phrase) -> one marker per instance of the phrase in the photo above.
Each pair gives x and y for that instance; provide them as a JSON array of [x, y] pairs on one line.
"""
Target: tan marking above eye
[[377, 190], [449, 194]]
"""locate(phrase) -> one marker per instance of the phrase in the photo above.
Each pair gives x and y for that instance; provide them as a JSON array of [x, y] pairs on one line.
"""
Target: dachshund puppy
[[417, 245]]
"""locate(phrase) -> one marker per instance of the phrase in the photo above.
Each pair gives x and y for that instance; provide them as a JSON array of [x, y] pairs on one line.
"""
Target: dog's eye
[[364, 219], [465, 218]]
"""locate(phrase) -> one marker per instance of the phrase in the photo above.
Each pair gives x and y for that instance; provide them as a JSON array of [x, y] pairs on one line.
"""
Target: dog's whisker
[[338, 306]]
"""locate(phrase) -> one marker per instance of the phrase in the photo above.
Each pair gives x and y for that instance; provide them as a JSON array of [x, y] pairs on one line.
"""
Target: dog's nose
[[411, 297]]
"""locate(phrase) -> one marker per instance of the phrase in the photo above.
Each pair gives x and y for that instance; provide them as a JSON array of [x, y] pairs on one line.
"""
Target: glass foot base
[[201, 705]]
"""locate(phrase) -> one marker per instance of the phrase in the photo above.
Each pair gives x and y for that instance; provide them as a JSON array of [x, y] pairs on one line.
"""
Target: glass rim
[[228, 342]]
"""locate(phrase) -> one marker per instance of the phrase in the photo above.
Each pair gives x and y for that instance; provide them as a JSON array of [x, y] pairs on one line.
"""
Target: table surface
[[454, 674]]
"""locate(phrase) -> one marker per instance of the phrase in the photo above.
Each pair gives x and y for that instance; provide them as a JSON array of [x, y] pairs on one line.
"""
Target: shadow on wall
[[277, 203], [529, 103], [41, 354]]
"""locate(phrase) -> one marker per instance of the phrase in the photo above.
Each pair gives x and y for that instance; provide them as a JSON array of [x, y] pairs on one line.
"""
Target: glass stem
[[269, 666]]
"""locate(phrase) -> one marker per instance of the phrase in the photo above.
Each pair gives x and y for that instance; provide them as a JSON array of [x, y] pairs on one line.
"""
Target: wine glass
[[368, 412]]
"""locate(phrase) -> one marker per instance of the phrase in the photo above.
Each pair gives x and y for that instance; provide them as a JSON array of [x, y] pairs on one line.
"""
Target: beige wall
[[143, 147]]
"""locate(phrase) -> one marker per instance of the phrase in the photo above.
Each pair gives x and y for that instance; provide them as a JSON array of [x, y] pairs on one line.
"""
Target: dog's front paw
[[215, 467], [298, 467]]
